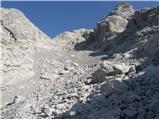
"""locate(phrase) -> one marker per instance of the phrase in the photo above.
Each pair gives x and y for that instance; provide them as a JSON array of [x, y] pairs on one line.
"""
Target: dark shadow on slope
[[136, 97]]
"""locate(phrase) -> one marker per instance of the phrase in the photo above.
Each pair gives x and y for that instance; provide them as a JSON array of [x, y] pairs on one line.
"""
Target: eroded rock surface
[[109, 72]]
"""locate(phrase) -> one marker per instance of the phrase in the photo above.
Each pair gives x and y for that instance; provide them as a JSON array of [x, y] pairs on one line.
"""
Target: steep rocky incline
[[111, 71], [19, 40]]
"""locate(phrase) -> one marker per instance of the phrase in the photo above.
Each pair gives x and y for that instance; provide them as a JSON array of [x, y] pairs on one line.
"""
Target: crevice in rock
[[10, 32], [13, 102]]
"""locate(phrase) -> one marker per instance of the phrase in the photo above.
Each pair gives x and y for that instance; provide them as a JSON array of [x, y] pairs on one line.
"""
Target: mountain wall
[[109, 72]]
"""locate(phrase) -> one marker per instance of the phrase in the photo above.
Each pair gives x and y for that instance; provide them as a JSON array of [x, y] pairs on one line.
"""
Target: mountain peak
[[72, 75], [123, 5], [124, 10], [18, 24]]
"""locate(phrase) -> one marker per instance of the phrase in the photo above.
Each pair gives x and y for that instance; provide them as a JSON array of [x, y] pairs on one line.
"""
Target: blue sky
[[56, 17]]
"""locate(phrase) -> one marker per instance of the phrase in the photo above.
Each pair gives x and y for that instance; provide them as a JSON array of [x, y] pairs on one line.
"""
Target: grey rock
[[109, 72], [124, 10], [154, 106], [129, 113], [109, 25], [109, 113], [142, 18], [113, 86], [114, 23]]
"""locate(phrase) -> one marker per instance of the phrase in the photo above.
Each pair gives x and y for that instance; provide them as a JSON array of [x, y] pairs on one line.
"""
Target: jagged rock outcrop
[[114, 22], [68, 40], [19, 40], [10, 18], [146, 17], [124, 10], [109, 72], [111, 24]]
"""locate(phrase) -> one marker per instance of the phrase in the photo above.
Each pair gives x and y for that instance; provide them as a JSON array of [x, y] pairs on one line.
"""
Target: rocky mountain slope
[[111, 71]]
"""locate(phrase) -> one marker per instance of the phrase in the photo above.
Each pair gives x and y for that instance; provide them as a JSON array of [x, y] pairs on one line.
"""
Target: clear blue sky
[[56, 17]]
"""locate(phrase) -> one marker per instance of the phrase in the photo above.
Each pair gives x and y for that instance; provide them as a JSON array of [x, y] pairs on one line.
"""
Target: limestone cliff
[[108, 72]]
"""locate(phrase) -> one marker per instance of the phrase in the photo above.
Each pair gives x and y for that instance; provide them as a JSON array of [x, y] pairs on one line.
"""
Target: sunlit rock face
[[19, 39], [114, 22], [124, 10], [110, 72]]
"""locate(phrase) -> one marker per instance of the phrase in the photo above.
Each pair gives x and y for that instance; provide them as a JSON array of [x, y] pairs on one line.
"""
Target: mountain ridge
[[110, 71]]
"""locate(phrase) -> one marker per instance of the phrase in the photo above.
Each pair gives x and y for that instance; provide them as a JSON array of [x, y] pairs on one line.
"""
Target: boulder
[[108, 69], [113, 86]]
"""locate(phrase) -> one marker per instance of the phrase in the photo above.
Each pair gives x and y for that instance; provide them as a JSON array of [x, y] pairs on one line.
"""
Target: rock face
[[124, 10], [114, 22], [109, 72], [67, 40], [19, 39]]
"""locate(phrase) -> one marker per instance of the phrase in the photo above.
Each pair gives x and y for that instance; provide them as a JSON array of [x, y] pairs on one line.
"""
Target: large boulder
[[113, 86], [109, 70]]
